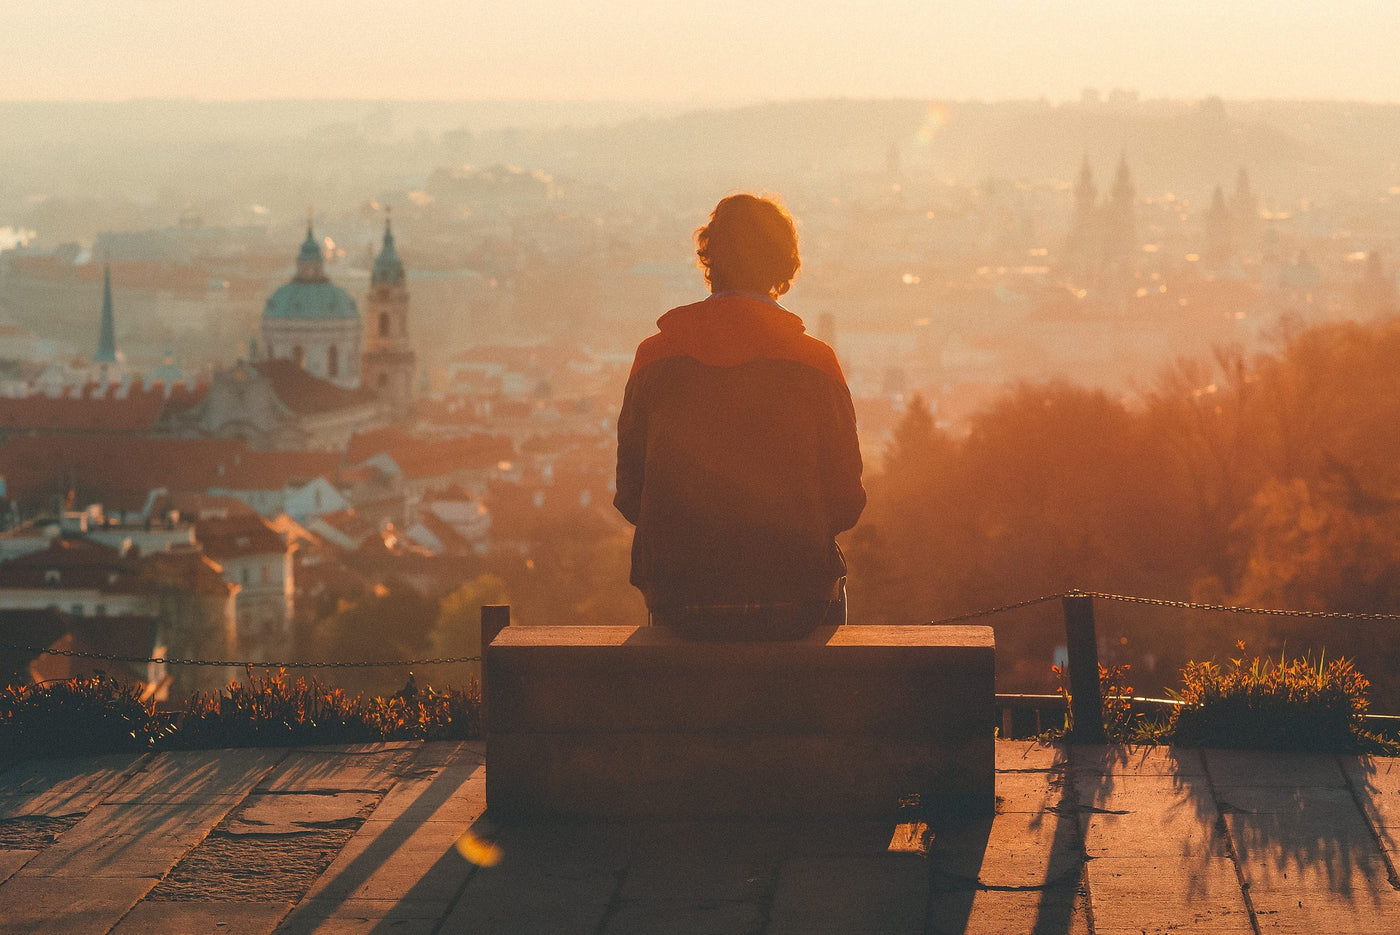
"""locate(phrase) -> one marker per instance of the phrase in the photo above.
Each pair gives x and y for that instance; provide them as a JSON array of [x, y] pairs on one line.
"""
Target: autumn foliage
[[1269, 481]]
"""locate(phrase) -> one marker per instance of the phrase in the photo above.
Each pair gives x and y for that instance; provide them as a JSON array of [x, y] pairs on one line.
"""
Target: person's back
[[737, 452]]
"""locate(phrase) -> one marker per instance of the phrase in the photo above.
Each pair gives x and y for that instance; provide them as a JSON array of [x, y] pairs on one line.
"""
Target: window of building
[[383, 324], [77, 610], [245, 577], [332, 361], [52, 576]]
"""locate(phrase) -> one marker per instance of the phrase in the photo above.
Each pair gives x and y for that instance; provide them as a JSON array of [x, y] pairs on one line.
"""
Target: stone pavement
[[363, 839]]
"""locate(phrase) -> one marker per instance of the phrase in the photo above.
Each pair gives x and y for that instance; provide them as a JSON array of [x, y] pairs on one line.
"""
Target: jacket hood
[[729, 330]]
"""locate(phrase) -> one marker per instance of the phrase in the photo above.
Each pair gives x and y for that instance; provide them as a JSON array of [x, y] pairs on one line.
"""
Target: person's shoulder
[[818, 355], [657, 347]]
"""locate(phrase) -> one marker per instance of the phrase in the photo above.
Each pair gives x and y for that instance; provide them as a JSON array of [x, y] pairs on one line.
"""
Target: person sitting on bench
[[737, 455]]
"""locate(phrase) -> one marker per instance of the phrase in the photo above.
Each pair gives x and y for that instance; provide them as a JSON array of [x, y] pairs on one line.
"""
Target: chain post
[[1086, 703]]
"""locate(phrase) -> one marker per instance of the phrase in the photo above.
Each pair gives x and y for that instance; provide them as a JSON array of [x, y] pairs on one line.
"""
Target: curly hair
[[750, 244]]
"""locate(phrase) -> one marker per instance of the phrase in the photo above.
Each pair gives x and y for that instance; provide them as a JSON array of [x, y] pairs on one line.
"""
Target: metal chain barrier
[[995, 610], [1164, 602], [958, 618], [1232, 609], [238, 664]]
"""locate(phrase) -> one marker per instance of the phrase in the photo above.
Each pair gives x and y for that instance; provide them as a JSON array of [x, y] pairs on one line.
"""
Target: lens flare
[[482, 853]]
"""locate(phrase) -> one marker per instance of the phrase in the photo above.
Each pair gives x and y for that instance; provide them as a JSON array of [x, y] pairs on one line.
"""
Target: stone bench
[[635, 722]]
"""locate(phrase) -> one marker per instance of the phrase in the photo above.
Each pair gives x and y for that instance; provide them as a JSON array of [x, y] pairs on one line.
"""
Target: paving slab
[[1055, 911], [1273, 769], [364, 917], [360, 768], [195, 775], [387, 859], [1030, 755], [685, 917], [548, 894], [1149, 816], [12, 859], [136, 840], [1018, 849], [700, 876], [1033, 791], [297, 812], [1155, 896], [1310, 860], [850, 895], [1140, 759], [64, 785], [197, 918], [1303, 910], [450, 792], [274, 867], [1376, 785], [435, 753], [272, 840], [1317, 835], [44, 905]]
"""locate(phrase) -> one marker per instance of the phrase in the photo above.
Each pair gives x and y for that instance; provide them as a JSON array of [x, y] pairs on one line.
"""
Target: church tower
[[389, 359]]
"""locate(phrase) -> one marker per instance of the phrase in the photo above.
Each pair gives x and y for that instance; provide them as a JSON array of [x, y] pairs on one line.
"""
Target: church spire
[[107, 337], [388, 268], [310, 261]]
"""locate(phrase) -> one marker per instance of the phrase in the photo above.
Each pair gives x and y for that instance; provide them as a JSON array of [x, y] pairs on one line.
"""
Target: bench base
[[632, 722]]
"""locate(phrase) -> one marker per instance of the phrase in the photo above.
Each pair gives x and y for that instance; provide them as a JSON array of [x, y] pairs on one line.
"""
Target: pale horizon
[[719, 54]]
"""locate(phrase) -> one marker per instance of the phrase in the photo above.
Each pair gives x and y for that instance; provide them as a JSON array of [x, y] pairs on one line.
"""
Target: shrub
[[1120, 724], [103, 715], [276, 710], [98, 714], [1291, 704]]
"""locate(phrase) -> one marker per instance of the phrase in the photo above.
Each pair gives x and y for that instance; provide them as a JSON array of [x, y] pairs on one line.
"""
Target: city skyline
[[721, 52]]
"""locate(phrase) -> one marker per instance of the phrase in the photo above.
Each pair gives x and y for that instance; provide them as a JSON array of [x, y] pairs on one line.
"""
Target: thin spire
[[388, 268], [107, 336]]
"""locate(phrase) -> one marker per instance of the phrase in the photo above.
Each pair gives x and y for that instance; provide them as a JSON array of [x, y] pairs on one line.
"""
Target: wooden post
[[1086, 704], [494, 619]]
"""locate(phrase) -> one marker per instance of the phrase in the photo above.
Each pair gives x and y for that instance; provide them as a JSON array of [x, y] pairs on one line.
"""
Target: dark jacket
[[737, 457]]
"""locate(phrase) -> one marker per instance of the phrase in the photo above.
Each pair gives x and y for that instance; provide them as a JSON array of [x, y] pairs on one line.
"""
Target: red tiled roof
[[238, 536], [187, 569], [418, 458], [80, 563], [116, 470], [364, 445], [305, 394], [193, 505], [274, 470], [82, 410]]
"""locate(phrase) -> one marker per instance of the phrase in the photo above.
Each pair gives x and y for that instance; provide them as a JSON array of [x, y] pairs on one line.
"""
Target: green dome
[[314, 300]]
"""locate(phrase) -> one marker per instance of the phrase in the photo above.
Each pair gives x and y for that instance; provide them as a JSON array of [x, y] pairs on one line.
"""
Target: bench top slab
[[873, 636]]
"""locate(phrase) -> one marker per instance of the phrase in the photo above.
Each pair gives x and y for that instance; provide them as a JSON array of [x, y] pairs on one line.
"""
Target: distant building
[[1102, 243], [275, 404], [254, 557]]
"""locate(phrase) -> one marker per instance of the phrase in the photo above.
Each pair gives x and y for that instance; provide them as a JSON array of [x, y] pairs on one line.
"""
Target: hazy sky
[[718, 51]]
